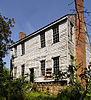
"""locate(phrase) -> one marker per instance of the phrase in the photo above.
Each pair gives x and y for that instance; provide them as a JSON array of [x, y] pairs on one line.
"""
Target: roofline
[[41, 29]]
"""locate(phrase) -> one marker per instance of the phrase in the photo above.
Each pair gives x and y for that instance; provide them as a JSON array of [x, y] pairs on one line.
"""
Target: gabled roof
[[40, 30]]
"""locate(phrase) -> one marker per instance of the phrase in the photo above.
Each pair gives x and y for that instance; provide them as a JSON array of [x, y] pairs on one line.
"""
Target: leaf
[[88, 94]]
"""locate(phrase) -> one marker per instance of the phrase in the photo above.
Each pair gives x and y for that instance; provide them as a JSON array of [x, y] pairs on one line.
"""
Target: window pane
[[42, 37], [56, 64], [43, 67], [16, 51], [55, 34], [23, 48]]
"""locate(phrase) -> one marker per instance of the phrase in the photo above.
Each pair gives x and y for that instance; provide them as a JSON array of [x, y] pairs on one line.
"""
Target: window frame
[[42, 39], [55, 33], [15, 51], [42, 67], [56, 64], [23, 48]]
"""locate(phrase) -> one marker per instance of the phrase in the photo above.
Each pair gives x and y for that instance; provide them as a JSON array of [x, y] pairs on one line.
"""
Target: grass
[[39, 96]]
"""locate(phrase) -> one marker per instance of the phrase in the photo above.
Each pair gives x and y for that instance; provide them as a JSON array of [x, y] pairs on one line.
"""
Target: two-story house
[[48, 49]]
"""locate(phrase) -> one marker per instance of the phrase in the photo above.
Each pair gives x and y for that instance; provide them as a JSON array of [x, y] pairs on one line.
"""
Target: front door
[[31, 74]]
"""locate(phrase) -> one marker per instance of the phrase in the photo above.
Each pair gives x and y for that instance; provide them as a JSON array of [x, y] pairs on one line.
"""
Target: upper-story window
[[71, 31], [56, 64], [23, 48], [42, 38], [22, 70], [43, 67], [55, 34], [16, 51]]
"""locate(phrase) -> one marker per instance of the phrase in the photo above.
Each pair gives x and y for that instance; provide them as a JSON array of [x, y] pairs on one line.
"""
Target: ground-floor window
[[56, 64], [43, 67]]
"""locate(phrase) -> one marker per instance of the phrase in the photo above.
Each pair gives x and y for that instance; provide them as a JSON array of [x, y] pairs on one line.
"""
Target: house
[[51, 48]]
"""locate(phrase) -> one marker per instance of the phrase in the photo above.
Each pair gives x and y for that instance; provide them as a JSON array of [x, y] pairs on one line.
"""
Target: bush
[[17, 89], [70, 93], [34, 88]]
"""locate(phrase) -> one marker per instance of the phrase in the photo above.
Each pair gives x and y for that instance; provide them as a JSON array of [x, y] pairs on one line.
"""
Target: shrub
[[34, 88], [70, 93]]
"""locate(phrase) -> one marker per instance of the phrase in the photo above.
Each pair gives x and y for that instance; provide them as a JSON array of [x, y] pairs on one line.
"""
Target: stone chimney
[[80, 42], [21, 35]]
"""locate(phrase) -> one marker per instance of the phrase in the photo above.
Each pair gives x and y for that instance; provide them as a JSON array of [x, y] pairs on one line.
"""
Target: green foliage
[[39, 96], [75, 92], [70, 93], [5, 36], [4, 83], [88, 94], [13, 89], [18, 88], [34, 88], [59, 75], [5, 40], [56, 76]]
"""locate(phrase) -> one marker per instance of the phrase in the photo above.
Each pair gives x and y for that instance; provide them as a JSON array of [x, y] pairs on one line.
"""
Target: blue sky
[[31, 15]]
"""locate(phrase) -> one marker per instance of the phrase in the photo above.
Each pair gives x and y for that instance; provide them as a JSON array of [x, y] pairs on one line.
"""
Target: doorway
[[31, 75]]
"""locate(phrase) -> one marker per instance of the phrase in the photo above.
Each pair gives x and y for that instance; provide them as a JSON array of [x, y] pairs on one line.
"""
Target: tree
[[5, 41], [5, 37]]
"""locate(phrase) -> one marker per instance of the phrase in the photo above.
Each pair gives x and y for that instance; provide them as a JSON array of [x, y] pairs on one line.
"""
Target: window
[[23, 68], [56, 64], [15, 72], [43, 67], [23, 48], [71, 31], [42, 37], [16, 51], [55, 34]]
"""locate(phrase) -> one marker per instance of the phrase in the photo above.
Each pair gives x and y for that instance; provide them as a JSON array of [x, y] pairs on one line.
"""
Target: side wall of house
[[71, 38], [88, 51], [34, 53]]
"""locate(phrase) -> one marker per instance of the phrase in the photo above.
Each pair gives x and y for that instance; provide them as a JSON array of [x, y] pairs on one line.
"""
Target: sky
[[31, 15]]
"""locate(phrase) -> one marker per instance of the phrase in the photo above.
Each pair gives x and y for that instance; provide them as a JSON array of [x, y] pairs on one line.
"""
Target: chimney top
[[21, 35]]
